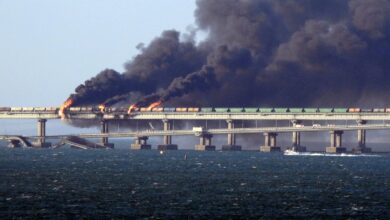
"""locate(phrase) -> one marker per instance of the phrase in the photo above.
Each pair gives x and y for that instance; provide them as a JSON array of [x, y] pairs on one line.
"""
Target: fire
[[64, 106], [131, 108], [154, 105], [101, 108]]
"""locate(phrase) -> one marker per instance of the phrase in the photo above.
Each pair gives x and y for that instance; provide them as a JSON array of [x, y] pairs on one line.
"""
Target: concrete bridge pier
[[270, 143], [167, 139], [296, 138], [140, 143], [41, 128], [361, 134], [336, 143], [205, 143], [231, 145], [104, 130]]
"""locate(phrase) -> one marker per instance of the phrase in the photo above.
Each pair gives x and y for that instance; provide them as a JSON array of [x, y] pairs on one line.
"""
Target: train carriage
[[28, 109], [354, 110], [16, 109], [296, 110], [340, 110], [181, 109], [158, 109], [193, 109], [280, 110], [310, 110], [75, 109], [366, 110], [169, 109], [325, 110], [52, 109], [144, 109], [379, 110], [251, 110], [206, 109], [5, 109], [236, 110], [221, 110], [266, 110]]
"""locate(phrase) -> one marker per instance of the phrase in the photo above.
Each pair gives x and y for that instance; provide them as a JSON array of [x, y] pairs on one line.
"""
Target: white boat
[[290, 152]]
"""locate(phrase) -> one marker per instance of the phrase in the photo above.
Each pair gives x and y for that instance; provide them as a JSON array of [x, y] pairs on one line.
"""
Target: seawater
[[118, 183]]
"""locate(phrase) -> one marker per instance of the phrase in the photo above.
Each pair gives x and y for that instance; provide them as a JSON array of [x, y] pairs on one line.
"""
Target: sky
[[47, 47]]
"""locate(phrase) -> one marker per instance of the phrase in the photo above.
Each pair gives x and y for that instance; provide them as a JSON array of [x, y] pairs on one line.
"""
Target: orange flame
[[64, 106], [101, 108], [131, 108], [154, 105]]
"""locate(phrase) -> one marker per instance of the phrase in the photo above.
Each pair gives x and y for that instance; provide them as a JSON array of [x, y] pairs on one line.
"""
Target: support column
[[140, 143], [231, 139], [41, 128], [296, 138], [270, 143], [361, 136], [336, 143], [167, 139], [205, 143], [104, 129]]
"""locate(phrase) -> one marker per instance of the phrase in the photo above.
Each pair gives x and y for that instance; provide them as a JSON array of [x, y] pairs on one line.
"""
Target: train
[[124, 110]]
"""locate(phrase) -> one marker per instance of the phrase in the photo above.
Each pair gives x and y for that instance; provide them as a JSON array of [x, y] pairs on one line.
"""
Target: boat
[[290, 152]]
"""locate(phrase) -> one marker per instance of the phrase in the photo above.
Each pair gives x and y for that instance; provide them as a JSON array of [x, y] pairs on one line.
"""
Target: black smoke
[[260, 53]]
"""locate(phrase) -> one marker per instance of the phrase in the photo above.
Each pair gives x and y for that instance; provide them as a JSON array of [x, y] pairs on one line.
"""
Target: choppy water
[[68, 183]]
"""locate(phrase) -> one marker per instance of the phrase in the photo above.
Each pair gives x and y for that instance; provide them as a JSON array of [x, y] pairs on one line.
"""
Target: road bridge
[[361, 119], [269, 133]]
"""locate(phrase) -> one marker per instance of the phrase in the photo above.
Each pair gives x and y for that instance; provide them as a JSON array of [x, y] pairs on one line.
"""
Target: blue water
[[119, 183]]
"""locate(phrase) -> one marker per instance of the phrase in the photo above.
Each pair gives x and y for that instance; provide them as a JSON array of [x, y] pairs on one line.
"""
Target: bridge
[[366, 116], [231, 118]]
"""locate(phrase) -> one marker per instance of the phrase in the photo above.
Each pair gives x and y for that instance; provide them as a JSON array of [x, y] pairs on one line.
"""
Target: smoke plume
[[260, 53]]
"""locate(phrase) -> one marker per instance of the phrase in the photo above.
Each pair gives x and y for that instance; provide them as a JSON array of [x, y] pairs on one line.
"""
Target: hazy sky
[[47, 47]]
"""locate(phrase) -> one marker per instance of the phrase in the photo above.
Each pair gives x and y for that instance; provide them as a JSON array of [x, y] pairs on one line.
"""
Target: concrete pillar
[[167, 126], [296, 138], [339, 138], [231, 139], [361, 136], [336, 143], [270, 143], [140, 143], [104, 129], [167, 139], [41, 132], [205, 143]]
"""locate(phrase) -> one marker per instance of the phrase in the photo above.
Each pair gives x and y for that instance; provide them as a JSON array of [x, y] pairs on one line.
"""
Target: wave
[[292, 153]]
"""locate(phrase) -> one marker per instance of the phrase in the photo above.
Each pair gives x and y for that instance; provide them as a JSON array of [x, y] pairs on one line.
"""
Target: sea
[[119, 183]]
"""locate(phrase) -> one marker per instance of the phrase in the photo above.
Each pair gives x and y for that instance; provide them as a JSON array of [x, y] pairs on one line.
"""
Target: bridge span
[[366, 116], [167, 118]]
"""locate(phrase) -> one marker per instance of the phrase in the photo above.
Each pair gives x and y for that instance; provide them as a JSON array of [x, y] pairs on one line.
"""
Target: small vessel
[[161, 152], [185, 156], [290, 152]]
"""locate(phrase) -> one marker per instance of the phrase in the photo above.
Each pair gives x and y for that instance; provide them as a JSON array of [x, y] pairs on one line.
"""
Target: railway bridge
[[367, 120]]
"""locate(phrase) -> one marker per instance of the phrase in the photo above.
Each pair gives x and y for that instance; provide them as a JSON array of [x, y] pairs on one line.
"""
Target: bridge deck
[[156, 133], [369, 116]]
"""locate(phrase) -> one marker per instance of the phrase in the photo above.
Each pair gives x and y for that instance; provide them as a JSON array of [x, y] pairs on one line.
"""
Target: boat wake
[[294, 153]]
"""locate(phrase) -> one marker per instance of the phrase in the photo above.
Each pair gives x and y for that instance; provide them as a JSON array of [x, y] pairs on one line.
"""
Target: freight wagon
[[251, 110], [5, 109], [181, 109], [311, 110], [236, 110], [193, 109], [296, 110]]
